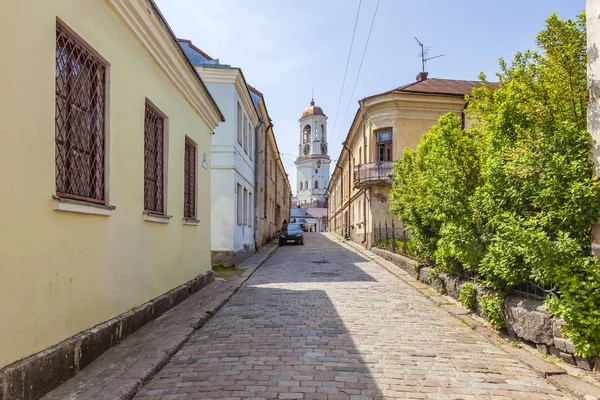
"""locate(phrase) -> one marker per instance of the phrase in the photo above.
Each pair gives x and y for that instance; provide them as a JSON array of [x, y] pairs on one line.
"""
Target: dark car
[[291, 232]]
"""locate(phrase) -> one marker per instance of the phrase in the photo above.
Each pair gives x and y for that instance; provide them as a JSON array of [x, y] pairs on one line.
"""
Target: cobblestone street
[[321, 322]]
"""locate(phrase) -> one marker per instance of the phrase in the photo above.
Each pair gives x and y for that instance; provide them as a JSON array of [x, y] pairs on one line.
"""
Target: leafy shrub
[[432, 191], [468, 295], [513, 199], [491, 307]]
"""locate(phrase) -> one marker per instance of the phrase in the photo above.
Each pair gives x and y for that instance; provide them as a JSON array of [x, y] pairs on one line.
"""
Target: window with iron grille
[[189, 180], [154, 158], [79, 121]]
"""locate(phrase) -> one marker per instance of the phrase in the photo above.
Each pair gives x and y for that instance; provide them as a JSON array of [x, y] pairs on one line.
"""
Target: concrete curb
[[121, 371], [552, 373]]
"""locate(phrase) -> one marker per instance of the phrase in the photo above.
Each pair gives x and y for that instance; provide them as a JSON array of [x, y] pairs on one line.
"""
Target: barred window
[[79, 120], [154, 158], [189, 180]]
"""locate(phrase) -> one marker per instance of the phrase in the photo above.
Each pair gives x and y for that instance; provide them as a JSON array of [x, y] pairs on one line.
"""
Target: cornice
[[231, 76], [148, 26]]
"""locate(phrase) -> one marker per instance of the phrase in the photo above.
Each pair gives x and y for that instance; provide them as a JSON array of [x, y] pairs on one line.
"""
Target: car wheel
[[281, 242], [302, 243]]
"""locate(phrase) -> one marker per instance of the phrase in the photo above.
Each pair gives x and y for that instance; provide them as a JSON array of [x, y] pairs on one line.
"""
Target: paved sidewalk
[[119, 373], [322, 322]]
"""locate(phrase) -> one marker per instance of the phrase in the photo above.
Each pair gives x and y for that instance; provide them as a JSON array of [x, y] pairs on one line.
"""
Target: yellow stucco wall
[[410, 117], [63, 272]]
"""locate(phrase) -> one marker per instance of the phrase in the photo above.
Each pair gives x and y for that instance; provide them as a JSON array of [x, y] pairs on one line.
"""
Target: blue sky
[[288, 47]]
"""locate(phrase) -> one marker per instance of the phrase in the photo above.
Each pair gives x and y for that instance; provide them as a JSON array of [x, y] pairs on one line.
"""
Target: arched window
[[307, 133], [322, 133], [316, 184], [305, 184], [300, 185]]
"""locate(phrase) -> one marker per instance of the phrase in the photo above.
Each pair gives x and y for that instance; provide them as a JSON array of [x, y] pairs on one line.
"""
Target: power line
[[346, 70], [361, 60]]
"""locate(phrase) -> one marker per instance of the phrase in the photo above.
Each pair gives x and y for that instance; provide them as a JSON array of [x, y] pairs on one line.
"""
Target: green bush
[[432, 191], [513, 198], [491, 307], [468, 295]]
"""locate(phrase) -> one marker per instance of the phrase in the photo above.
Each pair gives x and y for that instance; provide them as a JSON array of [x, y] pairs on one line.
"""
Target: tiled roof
[[449, 87]]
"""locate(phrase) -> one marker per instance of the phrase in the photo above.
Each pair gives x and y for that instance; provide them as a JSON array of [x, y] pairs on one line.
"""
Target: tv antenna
[[424, 53]]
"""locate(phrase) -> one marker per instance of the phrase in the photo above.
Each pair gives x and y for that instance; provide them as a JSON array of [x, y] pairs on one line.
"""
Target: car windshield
[[293, 228]]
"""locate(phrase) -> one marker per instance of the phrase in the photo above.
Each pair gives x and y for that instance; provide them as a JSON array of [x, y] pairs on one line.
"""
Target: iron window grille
[[79, 121], [189, 178], [154, 139]]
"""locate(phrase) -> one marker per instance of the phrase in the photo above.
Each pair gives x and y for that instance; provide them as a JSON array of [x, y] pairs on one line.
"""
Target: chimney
[[422, 76]]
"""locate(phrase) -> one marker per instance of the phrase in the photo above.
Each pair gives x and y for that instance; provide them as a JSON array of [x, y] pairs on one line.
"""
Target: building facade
[[106, 198], [233, 160], [312, 164], [592, 11], [384, 125], [272, 205]]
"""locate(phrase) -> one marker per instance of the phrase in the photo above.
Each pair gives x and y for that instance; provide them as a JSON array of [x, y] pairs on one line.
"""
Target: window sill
[[158, 218], [81, 207], [191, 221]]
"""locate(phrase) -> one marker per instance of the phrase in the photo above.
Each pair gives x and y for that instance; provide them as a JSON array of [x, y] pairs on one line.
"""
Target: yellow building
[[103, 168], [384, 125]]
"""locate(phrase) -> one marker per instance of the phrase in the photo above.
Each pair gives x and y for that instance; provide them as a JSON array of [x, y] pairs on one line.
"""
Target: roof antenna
[[424, 53]]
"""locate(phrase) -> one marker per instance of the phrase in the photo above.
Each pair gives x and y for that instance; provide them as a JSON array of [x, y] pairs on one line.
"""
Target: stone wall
[[526, 318]]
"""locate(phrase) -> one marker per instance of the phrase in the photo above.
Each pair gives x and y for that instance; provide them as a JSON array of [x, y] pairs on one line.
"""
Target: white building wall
[[231, 165]]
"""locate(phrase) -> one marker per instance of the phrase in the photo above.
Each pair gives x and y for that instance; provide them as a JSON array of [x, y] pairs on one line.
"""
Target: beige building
[[105, 171], [274, 191], [384, 125]]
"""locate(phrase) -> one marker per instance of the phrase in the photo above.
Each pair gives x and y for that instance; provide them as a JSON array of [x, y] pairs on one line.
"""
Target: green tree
[[432, 191], [539, 198]]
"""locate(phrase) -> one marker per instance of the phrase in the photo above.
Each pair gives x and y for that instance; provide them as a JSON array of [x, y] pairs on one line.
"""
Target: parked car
[[291, 233]]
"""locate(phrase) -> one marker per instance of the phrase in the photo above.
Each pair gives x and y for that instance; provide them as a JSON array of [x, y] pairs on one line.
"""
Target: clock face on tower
[[323, 148], [306, 149]]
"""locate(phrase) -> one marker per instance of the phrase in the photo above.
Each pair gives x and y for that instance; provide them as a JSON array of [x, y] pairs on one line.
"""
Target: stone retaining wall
[[526, 318]]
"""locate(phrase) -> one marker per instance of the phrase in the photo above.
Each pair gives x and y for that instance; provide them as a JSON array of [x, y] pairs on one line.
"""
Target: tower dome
[[312, 110]]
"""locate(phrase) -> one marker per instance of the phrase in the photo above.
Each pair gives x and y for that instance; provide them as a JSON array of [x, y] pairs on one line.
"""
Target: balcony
[[378, 173]]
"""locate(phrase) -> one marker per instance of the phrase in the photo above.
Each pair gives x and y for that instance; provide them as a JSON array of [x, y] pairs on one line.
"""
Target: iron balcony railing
[[374, 173]]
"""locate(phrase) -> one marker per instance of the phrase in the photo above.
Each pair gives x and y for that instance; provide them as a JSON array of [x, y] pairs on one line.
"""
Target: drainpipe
[[362, 110], [349, 185], [261, 122]]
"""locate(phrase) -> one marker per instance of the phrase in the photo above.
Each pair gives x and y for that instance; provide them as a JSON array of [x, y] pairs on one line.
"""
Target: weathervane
[[424, 53]]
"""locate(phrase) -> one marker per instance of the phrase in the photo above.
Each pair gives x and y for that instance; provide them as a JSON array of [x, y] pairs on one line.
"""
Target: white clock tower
[[312, 164]]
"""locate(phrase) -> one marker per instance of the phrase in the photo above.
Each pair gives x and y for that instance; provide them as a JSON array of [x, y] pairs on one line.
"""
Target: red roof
[[312, 110], [446, 87]]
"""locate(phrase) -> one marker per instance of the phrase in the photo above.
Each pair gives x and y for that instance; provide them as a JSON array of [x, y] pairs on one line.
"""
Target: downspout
[[261, 122], [349, 186], [362, 110]]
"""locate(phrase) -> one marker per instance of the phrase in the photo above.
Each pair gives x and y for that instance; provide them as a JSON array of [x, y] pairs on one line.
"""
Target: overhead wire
[[346, 69], [361, 61]]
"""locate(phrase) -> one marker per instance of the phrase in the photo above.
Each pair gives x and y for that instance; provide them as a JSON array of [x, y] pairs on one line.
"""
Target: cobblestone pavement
[[321, 322]]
